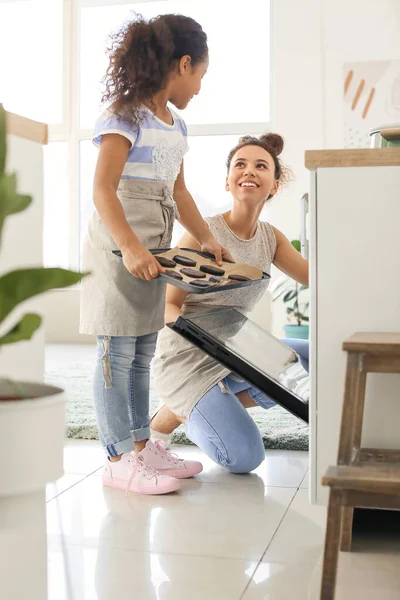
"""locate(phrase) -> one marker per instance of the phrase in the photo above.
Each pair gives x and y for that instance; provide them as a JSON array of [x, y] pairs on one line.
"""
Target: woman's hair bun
[[274, 141]]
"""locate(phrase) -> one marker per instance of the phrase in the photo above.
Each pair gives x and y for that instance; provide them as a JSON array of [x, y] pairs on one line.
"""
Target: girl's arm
[[175, 296], [113, 153], [289, 260], [192, 220]]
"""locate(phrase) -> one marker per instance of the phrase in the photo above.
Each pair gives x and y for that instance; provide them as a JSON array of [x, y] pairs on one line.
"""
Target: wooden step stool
[[364, 477]]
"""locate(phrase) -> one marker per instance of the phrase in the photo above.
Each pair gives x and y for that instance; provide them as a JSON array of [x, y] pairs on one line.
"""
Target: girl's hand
[[141, 263], [213, 247]]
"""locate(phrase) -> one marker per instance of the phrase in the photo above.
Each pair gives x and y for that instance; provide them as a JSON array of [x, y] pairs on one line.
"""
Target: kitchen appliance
[[385, 136]]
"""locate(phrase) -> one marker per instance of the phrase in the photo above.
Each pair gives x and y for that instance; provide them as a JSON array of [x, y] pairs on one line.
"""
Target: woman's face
[[251, 176]]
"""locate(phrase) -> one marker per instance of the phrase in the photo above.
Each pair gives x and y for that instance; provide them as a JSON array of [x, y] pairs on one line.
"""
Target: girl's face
[[251, 176], [187, 82]]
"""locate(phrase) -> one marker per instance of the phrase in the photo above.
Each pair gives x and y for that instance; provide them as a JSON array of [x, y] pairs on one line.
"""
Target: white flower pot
[[32, 434]]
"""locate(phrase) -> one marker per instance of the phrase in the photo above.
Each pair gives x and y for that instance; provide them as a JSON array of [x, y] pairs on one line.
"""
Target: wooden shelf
[[26, 128]]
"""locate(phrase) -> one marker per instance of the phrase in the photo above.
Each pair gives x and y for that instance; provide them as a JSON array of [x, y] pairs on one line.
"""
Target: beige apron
[[183, 373], [114, 302]]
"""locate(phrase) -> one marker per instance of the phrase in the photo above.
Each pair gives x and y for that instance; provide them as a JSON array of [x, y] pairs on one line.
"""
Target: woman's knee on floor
[[224, 430], [246, 457]]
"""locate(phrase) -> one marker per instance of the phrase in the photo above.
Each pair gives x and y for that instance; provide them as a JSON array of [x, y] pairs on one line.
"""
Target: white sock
[[156, 435]]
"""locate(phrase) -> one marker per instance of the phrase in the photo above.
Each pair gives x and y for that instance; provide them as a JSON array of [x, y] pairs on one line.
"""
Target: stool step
[[373, 343], [371, 478]]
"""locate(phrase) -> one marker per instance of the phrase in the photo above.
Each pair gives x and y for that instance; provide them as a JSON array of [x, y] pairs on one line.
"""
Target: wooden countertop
[[362, 157], [26, 128]]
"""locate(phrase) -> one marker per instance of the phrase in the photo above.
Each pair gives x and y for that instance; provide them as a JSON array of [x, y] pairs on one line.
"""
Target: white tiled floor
[[222, 537]]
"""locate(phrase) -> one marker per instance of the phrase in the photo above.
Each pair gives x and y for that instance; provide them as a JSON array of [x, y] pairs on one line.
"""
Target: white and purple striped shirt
[[157, 149]]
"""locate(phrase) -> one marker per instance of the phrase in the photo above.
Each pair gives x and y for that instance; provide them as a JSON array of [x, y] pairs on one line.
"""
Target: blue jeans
[[121, 390], [222, 427]]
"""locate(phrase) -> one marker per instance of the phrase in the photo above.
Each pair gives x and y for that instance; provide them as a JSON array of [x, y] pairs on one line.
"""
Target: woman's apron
[[114, 302]]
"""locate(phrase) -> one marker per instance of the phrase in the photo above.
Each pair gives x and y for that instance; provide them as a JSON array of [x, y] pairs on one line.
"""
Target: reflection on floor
[[222, 537]]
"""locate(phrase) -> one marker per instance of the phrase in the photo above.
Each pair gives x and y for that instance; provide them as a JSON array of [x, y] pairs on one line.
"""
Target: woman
[[194, 388]]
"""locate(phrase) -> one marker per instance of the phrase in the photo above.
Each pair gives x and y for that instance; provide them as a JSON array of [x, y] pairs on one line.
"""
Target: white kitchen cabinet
[[354, 237]]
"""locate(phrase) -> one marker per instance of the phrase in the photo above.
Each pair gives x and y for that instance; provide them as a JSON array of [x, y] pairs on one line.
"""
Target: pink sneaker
[[132, 474], [156, 456]]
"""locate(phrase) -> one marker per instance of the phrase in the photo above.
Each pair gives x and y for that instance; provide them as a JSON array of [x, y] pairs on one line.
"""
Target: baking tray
[[213, 288]]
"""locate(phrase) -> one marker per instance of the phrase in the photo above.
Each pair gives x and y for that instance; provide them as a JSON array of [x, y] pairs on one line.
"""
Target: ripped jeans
[[121, 389]]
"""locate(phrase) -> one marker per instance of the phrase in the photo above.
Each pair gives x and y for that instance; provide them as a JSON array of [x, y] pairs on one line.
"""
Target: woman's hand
[[213, 247], [141, 263]]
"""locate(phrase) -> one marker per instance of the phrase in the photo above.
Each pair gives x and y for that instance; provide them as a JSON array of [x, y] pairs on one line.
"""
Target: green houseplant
[[18, 285], [292, 294]]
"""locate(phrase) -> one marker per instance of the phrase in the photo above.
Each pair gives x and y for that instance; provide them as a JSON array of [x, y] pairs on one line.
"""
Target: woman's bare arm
[[289, 260]]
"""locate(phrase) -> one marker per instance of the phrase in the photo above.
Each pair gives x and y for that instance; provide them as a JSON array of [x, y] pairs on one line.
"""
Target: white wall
[[354, 30], [61, 323], [311, 40], [22, 246]]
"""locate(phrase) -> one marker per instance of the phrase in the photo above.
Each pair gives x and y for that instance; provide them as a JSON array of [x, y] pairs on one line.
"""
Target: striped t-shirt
[[157, 149]]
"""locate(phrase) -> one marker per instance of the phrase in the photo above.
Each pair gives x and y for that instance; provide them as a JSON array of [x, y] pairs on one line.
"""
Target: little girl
[[139, 189]]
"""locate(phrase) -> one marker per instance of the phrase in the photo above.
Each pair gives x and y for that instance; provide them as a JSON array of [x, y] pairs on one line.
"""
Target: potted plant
[[296, 309], [32, 417]]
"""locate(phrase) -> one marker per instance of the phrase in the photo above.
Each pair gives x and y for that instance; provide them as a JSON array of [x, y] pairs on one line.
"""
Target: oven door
[[252, 353]]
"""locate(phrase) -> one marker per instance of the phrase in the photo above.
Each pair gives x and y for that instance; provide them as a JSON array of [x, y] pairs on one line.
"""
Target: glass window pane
[[31, 68], [236, 86], [56, 206], [205, 175], [96, 24], [236, 80]]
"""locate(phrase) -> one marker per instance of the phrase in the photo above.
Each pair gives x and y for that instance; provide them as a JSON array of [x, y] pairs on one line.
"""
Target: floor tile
[[274, 581], [305, 483], [280, 470], [55, 488], [82, 456], [371, 554], [205, 541], [356, 593], [85, 573], [300, 537], [211, 520]]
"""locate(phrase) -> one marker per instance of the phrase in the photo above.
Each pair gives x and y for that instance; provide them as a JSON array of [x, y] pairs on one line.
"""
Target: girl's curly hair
[[273, 144], [142, 54]]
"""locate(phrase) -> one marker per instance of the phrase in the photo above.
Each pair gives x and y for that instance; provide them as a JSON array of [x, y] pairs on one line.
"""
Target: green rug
[[280, 430]]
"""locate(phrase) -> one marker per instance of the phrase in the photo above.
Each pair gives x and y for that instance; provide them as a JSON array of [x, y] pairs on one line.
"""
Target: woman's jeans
[[223, 428]]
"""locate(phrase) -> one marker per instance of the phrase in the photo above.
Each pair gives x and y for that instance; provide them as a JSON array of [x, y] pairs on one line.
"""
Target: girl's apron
[[114, 302]]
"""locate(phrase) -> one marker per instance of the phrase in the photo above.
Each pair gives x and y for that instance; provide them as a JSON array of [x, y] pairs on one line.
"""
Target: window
[[65, 91], [239, 57], [31, 82]]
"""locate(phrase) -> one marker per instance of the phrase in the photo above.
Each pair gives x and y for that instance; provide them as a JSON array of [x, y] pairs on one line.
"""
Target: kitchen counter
[[357, 157]]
